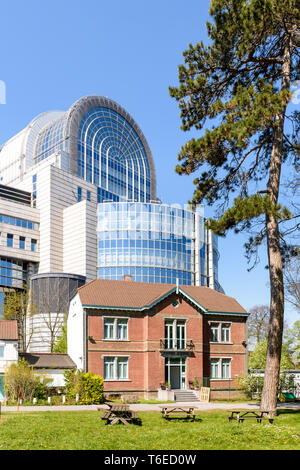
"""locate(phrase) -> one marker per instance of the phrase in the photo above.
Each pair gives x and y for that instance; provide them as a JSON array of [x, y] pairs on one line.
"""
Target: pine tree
[[241, 85]]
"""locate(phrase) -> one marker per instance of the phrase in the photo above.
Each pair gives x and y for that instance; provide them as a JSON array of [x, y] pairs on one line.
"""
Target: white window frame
[[219, 331], [219, 361], [115, 360], [227, 329], [115, 328]]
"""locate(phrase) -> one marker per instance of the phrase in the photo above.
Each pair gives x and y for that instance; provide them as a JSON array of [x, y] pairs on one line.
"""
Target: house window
[[116, 329], [1, 351], [220, 332], [214, 329], [88, 195], [115, 368], [109, 365], [225, 332], [220, 368], [79, 194], [175, 331]]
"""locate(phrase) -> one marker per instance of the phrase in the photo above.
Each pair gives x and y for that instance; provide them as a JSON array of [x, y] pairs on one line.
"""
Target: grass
[[84, 430]]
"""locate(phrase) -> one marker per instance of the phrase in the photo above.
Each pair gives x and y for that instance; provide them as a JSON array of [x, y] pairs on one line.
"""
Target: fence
[[292, 374]]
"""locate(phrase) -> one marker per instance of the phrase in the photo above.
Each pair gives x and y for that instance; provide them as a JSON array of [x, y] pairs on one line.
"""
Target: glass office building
[[153, 243], [97, 152]]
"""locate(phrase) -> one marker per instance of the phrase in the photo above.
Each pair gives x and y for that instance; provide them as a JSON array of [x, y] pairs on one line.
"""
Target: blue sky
[[55, 52]]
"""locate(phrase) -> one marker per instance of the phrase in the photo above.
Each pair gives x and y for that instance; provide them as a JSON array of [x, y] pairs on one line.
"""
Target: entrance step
[[185, 396]]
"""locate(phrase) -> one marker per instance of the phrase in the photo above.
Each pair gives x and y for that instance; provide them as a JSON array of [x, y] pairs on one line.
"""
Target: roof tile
[[9, 329]]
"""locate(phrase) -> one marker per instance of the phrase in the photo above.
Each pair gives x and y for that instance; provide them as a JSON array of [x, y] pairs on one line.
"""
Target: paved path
[[152, 407]]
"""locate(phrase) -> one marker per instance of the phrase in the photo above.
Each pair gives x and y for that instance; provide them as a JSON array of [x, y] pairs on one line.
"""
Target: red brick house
[[139, 336]]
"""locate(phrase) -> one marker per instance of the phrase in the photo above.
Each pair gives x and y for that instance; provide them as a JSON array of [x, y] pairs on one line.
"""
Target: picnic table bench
[[241, 415], [118, 413], [187, 412]]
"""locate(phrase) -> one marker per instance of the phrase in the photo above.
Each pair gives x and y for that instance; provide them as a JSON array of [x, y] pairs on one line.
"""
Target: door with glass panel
[[175, 372]]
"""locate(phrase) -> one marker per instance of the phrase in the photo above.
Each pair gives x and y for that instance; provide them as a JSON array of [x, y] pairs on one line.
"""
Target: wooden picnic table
[[118, 413], [241, 415], [174, 411]]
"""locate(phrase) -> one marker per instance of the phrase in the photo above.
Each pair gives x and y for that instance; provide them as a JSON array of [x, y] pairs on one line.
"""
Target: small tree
[[258, 322], [257, 359], [20, 378], [292, 342], [19, 305], [51, 299], [61, 344]]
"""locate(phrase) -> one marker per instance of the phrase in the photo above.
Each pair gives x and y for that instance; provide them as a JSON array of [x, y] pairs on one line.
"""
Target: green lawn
[[84, 430]]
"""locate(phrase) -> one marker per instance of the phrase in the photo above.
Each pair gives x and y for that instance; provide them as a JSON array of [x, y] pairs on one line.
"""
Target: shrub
[[252, 383], [20, 378], [92, 389], [88, 386]]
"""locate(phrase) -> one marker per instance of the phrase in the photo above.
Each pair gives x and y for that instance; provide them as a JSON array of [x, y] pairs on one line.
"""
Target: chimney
[[127, 277]]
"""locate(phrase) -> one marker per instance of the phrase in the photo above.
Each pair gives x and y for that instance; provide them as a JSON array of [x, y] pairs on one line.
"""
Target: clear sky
[[54, 52]]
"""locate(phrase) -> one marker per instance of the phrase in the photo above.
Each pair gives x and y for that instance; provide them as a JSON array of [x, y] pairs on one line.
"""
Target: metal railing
[[168, 344]]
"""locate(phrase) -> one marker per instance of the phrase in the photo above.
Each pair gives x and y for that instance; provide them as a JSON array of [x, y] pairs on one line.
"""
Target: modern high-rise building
[[84, 205]]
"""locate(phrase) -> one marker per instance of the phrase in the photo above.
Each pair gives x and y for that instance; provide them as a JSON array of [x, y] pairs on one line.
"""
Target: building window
[[88, 195], [115, 368], [22, 243], [220, 368], [7, 219], [79, 194], [225, 332], [175, 334], [1, 351], [10, 240], [214, 329], [220, 332], [33, 245], [34, 193], [116, 329]]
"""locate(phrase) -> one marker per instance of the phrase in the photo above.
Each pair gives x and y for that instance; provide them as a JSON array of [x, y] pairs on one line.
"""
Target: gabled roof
[[48, 360], [139, 296], [9, 330]]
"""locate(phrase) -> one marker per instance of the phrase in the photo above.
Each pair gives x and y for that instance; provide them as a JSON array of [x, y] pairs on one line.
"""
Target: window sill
[[116, 340], [219, 380], [220, 342], [117, 380]]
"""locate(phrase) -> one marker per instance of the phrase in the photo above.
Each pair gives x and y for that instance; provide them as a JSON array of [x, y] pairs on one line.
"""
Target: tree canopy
[[238, 88]]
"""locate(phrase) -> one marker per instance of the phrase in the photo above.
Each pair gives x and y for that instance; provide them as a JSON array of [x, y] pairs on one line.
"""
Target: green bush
[[20, 378], [92, 389], [252, 384], [88, 386]]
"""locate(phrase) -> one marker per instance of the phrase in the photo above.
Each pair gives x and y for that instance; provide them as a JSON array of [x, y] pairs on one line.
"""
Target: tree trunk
[[272, 369]]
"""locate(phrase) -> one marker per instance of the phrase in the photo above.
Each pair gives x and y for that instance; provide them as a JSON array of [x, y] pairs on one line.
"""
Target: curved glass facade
[[111, 155], [50, 139], [151, 242]]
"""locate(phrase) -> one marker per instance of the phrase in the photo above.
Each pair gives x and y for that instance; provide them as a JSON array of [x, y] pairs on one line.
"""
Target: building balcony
[[176, 345]]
